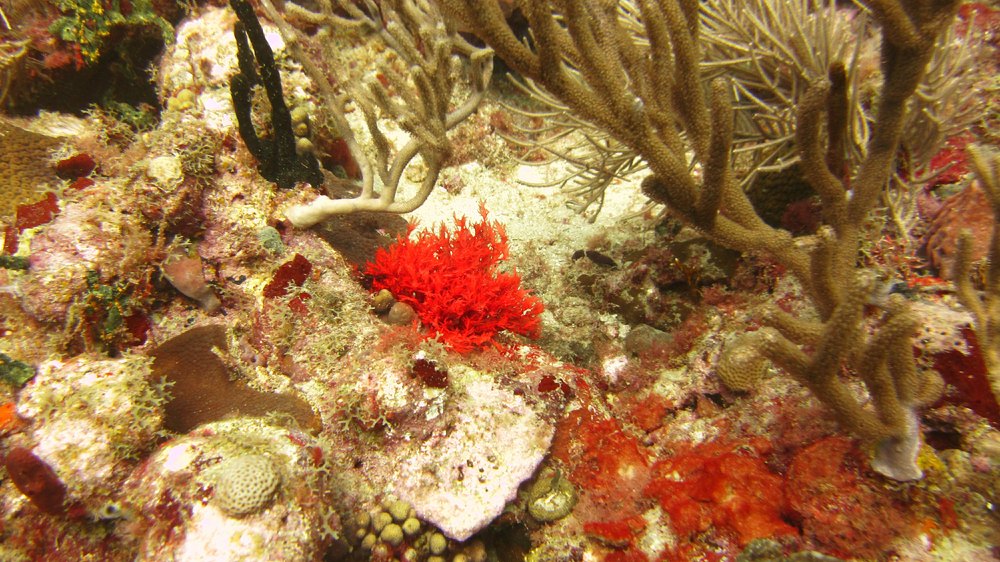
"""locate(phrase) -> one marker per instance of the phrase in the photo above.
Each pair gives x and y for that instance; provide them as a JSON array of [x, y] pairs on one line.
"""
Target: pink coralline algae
[[82, 238], [461, 478]]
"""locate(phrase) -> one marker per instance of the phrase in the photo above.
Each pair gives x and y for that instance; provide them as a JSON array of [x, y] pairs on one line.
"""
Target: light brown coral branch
[[808, 136], [718, 171], [417, 96], [587, 57]]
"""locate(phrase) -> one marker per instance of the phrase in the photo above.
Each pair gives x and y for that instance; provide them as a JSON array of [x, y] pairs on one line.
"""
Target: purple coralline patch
[[82, 238]]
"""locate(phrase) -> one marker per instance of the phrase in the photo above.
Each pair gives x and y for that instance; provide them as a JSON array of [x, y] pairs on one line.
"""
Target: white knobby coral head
[[245, 484]]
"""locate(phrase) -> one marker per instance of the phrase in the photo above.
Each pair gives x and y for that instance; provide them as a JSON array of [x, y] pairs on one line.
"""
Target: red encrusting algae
[[723, 485], [287, 277]]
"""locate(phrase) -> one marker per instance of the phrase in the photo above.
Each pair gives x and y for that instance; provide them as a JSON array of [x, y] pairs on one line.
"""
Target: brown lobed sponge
[[203, 389]]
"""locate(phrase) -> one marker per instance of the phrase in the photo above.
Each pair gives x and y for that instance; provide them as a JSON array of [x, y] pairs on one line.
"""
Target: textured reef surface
[[200, 361]]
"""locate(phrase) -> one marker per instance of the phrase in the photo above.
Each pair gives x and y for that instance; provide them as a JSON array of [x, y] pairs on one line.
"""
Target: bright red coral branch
[[450, 278]]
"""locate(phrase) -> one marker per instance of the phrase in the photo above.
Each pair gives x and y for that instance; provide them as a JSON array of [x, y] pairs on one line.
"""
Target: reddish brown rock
[[35, 479], [968, 209]]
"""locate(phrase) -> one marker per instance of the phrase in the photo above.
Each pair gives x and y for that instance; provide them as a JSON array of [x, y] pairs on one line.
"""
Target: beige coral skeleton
[[433, 56]]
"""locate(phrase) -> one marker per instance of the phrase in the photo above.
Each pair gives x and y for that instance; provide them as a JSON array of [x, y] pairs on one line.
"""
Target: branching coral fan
[[450, 279]]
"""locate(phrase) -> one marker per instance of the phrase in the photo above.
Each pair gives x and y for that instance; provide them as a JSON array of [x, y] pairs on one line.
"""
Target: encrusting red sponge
[[450, 279]]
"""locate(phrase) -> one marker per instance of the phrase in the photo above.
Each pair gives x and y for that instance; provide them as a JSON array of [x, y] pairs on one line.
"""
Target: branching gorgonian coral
[[770, 52], [422, 61], [594, 159], [637, 75]]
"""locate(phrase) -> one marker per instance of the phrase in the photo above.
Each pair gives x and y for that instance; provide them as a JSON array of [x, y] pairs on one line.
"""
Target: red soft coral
[[450, 279]]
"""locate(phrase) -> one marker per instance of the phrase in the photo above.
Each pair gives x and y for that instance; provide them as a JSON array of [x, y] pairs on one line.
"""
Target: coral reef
[[189, 374], [602, 87], [89, 24], [241, 490]]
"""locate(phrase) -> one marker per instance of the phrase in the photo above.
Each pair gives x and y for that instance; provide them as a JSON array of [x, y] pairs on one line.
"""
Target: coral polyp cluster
[[245, 484], [220, 341]]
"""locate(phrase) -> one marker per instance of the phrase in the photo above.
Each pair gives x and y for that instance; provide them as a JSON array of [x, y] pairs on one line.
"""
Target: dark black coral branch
[[277, 157]]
